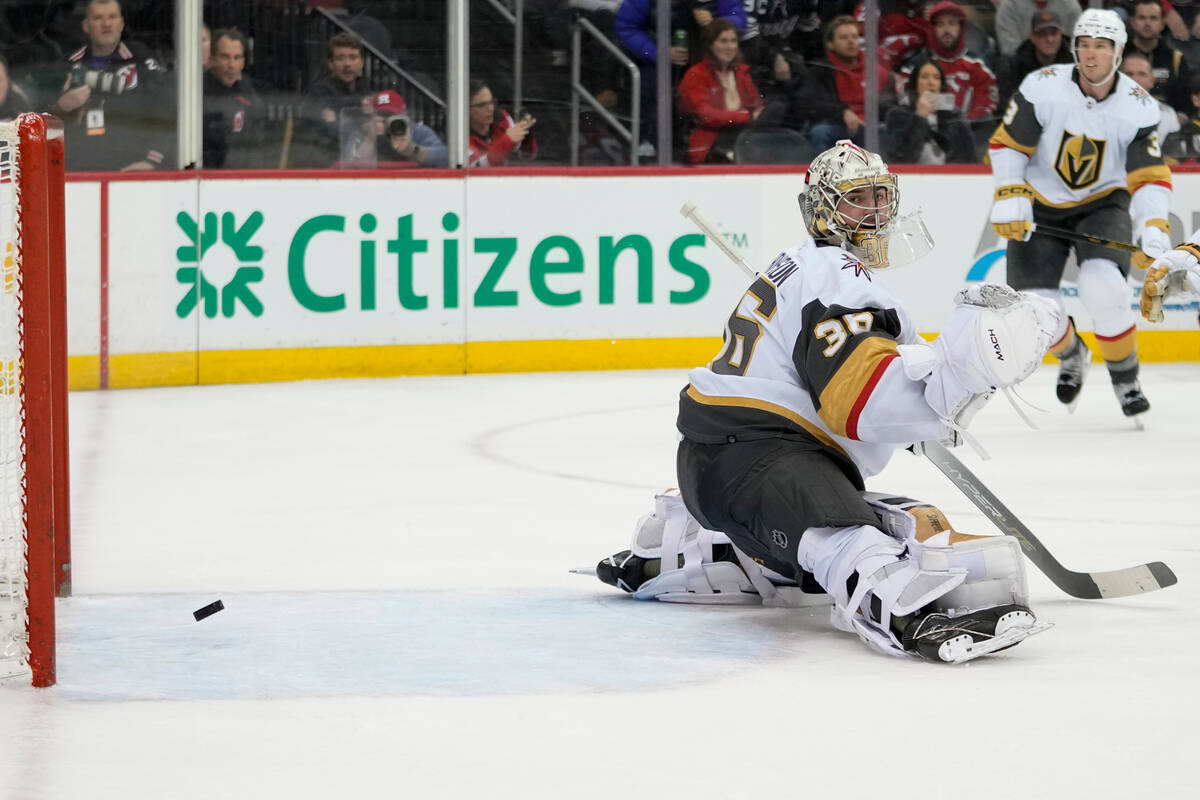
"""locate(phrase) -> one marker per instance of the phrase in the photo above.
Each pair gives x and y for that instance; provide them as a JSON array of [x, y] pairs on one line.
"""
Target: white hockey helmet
[[1100, 23], [833, 175]]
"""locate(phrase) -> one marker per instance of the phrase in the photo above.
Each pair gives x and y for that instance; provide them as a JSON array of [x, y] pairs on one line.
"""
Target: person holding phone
[[495, 135], [925, 127]]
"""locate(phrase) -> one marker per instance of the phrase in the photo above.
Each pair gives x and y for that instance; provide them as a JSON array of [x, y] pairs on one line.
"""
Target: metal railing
[[630, 134], [381, 72], [516, 18]]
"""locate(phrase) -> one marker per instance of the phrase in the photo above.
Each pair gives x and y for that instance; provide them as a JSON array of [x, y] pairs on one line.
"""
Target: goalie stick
[[1087, 585]]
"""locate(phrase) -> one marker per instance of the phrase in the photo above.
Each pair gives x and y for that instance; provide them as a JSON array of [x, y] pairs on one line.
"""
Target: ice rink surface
[[400, 621]]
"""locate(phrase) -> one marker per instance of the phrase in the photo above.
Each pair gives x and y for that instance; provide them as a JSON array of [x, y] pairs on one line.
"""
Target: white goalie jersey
[[1082, 149], [810, 353]]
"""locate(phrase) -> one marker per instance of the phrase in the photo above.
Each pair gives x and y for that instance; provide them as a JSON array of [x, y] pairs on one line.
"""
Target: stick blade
[[1133, 580]]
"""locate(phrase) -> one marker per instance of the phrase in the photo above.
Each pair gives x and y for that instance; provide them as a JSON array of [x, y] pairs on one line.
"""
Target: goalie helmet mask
[[1100, 23], [850, 200]]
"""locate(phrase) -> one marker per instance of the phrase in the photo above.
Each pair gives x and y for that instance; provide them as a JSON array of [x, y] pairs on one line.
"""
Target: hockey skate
[[1072, 368], [937, 636], [1129, 395], [626, 571]]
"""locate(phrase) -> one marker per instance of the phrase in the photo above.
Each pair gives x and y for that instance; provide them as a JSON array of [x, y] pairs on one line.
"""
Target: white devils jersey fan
[[1092, 154], [34, 524]]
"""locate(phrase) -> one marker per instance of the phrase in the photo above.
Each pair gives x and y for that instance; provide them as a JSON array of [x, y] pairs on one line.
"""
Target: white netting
[[14, 649]]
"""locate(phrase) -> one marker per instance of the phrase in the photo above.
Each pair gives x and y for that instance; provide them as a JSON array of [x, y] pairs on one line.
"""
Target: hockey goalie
[[822, 376]]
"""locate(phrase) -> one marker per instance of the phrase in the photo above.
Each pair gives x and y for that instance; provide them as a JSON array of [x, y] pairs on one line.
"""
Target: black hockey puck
[[208, 610]]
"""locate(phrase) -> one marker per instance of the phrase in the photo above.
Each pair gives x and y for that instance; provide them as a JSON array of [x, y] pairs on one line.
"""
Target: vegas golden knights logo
[[1079, 159]]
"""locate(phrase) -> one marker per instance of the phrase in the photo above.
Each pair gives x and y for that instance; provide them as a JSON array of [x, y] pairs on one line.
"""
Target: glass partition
[[105, 68], [363, 84]]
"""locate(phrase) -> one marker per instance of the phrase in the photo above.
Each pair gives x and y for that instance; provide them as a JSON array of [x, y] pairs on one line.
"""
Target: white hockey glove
[[995, 337], [1154, 239], [1170, 274], [1012, 213]]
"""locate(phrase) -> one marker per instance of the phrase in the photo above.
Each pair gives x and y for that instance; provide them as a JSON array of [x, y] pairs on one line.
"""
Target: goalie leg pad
[[674, 537], [993, 565], [871, 579]]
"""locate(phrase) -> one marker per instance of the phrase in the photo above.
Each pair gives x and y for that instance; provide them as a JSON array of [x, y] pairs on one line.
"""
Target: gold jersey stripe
[[844, 389], [1004, 139], [771, 408], [1159, 173], [1091, 198]]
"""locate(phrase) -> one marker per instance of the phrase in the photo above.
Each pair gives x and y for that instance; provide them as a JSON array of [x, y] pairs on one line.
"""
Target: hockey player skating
[[1075, 148], [821, 378]]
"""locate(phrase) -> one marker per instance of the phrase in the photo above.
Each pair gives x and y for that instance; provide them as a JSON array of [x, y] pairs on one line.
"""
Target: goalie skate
[[939, 637]]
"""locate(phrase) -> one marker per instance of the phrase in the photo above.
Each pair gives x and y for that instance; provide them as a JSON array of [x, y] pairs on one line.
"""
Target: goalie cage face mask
[[851, 200]]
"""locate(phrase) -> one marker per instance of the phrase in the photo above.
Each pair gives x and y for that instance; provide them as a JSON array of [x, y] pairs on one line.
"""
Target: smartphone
[[943, 102]]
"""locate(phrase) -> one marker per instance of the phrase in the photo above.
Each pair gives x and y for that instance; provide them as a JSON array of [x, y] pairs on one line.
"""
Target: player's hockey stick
[[1061, 233], [1088, 585], [1156, 312]]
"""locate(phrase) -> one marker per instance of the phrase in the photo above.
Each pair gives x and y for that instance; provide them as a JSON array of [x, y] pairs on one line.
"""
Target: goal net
[[33, 467]]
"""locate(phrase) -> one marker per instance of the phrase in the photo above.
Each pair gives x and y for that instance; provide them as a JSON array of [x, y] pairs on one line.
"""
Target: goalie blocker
[[955, 597]]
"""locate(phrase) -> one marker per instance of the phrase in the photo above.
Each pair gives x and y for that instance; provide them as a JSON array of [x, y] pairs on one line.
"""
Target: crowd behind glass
[[356, 85]]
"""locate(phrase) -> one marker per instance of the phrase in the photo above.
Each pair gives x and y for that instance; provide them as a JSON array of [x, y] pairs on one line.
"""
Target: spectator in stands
[[1047, 44], [834, 93], [718, 96], [116, 104], [1137, 66], [1185, 143], [903, 30], [494, 134], [967, 78], [634, 27], [1013, 20], [766, 46], [924, 127], [1182, 18], [394, 140], [13, 100], [205, 46], [318, 135], [234, 115], [1168, 66]]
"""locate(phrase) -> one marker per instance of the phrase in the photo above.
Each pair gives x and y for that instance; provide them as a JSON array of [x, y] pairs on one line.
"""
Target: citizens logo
[[202, 293], [329, 267]]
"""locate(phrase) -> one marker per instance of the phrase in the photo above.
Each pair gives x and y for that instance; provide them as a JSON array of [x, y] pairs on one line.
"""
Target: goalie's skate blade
[[583, 571], [1138, 424], [962, 648]]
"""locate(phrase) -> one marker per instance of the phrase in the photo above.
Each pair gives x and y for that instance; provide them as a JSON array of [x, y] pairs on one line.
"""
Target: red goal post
[[34, 483]]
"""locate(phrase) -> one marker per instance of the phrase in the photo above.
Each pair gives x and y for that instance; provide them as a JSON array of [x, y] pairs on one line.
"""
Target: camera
[[397, 126]]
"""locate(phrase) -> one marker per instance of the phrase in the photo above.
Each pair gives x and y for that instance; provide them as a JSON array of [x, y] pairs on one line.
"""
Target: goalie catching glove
[[1170, 274], [995, 337]]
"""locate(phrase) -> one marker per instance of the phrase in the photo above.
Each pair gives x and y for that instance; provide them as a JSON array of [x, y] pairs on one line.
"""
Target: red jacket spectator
[[968, 79], [494, 149], [491, 141], [903, 30], [702, 96]]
